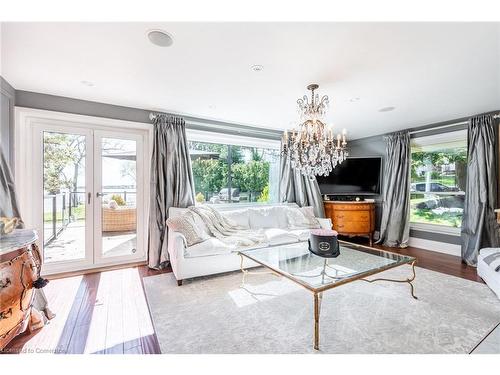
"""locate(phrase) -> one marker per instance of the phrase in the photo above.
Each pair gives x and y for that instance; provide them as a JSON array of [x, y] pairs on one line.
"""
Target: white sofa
[[212, 256], [487, 273]]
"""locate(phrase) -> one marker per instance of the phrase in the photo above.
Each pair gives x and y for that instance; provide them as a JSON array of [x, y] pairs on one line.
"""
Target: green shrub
[[264, 196], [200, 198]]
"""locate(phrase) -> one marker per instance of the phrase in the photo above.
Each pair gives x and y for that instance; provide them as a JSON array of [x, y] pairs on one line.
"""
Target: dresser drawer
[[350, 216], [351, 207], [352, 227]]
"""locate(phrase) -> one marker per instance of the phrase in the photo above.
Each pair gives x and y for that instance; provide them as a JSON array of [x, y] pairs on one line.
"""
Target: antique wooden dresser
[[352, 218], [19, 269]]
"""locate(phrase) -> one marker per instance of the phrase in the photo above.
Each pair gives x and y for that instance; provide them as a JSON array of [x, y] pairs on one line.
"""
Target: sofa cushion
[[212, 246], [268, 217], [277, 236], [240, 217], [302, 218], [301, 234], [189, 226]]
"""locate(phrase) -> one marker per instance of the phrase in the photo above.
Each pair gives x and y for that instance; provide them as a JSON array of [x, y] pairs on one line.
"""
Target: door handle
[[99, 195], [89, 196]]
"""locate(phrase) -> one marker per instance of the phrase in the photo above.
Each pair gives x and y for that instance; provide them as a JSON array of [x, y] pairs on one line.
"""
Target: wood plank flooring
[[106, 312]]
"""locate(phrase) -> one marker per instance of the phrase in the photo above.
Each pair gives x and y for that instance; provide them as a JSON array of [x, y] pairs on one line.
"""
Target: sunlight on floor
[[120, 310], [251, 293]]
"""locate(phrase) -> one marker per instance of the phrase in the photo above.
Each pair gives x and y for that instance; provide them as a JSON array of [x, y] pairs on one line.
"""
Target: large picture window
[[232, 173], [438, 178]]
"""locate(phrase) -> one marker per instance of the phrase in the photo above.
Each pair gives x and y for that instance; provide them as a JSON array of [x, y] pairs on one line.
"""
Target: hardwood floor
[[102, 313], [106, 312]]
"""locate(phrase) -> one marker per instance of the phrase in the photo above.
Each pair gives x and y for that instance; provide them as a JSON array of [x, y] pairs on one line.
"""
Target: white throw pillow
[[112, 204], [302, 218]]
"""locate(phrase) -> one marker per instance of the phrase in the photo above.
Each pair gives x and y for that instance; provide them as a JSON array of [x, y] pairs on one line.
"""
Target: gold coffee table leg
[[317, 310], [408, 281], [244, 271]]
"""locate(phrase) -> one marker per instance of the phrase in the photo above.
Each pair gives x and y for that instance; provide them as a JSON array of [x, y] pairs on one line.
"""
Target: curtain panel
[[395, 223], [172, 183], [295, 187], [8, 201], [479, 228], [10, 208]]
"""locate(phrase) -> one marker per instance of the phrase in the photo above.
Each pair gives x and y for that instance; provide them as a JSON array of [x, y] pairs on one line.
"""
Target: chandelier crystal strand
[[312, 148]]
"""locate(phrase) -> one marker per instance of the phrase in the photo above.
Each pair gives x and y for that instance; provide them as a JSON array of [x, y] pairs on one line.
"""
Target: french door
[[89, 189]]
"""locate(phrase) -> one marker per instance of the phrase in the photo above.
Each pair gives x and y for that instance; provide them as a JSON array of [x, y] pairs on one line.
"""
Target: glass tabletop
[[316, 273]]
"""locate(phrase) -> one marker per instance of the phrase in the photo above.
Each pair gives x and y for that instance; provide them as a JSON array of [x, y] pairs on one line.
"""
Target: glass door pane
[[118, 193], [64, 194]]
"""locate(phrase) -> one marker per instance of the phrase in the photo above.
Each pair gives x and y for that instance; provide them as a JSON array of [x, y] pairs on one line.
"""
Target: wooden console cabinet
[[352, 218], [19, 267]]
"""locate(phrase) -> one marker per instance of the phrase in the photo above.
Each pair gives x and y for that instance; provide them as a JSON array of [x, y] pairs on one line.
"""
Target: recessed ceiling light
[[257, 68], [355, 99], [160, 38], [87, 83], [387, 109]]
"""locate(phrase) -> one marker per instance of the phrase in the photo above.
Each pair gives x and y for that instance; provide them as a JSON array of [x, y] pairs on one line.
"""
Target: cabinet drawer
[[351, 207], [352, 227], [349, 216]]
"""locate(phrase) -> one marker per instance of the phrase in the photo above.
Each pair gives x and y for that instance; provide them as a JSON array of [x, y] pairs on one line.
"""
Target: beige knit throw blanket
[[227, 230]]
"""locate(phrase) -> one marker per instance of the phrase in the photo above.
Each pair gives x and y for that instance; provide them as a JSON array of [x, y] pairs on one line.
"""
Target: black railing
[[59, 210]]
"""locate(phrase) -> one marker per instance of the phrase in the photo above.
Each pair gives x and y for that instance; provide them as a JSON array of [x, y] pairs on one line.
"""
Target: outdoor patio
[[70, 243]]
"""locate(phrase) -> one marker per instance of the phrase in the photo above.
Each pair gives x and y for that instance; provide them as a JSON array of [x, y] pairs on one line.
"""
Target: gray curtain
[[395, 224], [9, 208], [295, 187], [8, 202], [172, 182], [479, 227]]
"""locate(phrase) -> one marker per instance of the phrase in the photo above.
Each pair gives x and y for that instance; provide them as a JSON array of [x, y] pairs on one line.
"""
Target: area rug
[[273, 315]]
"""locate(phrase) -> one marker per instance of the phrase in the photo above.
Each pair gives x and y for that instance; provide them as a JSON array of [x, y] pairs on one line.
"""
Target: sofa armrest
[[176, 245], [325, 223]]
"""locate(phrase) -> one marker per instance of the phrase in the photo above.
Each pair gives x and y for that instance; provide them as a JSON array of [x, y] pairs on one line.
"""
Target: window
[[234, 173], [438, 178]]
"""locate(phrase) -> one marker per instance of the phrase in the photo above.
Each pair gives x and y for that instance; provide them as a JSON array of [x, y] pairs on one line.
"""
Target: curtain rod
[[495, 116]]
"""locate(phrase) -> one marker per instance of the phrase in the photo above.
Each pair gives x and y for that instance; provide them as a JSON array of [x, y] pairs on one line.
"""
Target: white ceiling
[[429, 71]]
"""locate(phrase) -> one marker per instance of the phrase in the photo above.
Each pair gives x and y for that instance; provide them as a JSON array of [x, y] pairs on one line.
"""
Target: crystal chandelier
[[312, 148]]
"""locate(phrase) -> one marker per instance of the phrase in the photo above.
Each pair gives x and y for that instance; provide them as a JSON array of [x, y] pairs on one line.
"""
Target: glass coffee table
[[317, 274]]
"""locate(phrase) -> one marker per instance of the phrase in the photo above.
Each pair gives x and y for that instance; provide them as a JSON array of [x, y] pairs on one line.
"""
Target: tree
[[210, 175], [57, 155], [251, 177], [435, 160]]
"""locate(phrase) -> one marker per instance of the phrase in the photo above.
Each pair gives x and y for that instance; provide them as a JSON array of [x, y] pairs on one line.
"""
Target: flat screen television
[[355, 176]]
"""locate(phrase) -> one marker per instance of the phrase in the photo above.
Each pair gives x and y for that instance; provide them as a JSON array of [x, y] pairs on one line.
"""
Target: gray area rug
[[273, 315]]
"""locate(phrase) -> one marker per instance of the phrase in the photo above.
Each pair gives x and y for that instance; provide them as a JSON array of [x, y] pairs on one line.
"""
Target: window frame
[[194, 135], [437, 138]]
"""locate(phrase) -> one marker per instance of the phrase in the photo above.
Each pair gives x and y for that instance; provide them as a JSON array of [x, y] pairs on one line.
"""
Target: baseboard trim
[[440, 247], [61, 275]]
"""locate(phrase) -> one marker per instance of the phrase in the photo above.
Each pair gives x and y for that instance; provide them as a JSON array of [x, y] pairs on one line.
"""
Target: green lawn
[[445, 180], [427, 216], [77, 212]]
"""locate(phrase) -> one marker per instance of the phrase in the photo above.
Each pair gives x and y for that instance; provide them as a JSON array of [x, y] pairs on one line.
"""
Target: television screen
[[355, 176]]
